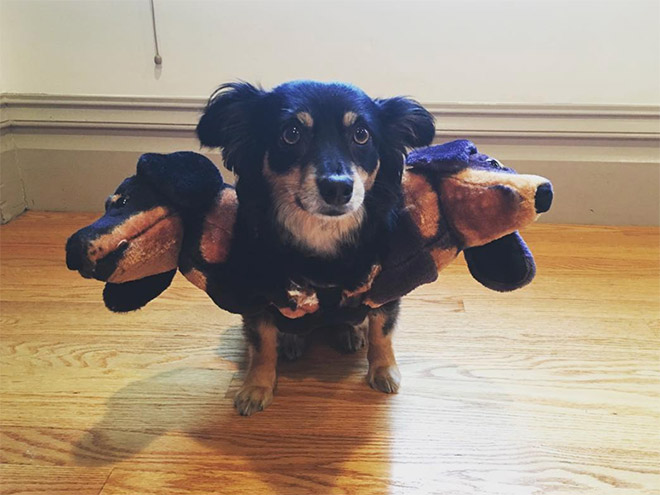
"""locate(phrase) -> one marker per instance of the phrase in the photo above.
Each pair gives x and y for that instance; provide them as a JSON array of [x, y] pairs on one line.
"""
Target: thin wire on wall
[[158, 60]]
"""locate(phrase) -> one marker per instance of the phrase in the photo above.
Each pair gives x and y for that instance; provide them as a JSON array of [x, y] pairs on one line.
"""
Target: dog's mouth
[[325, 210]]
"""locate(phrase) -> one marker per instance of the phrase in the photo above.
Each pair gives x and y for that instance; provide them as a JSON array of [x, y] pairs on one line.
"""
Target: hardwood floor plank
[[551, 389], [49, 480]]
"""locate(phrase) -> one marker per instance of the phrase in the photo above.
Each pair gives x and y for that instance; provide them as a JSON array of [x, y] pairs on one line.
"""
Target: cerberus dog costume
[[176, 212]]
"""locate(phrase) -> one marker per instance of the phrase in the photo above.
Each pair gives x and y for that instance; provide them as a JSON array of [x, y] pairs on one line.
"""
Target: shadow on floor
[[322, 414]]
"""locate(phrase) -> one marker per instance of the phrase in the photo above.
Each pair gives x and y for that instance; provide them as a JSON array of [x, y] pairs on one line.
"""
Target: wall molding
[[135, 113], [70, 150]]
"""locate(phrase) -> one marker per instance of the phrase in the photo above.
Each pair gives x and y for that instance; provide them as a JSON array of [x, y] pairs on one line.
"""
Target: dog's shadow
[[323, 412]]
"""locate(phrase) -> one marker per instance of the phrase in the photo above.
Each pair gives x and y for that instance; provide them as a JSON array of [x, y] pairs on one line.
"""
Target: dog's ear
[[503, 265], [187, 179], [130, 296], [227, 121], [407, 123]]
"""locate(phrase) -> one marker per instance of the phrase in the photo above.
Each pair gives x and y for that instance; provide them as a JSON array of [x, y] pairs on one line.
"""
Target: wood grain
[[48, 480], [550, 389]]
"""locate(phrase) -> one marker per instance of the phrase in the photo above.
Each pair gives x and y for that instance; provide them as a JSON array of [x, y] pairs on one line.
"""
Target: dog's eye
[[291, 135], [361, 135]]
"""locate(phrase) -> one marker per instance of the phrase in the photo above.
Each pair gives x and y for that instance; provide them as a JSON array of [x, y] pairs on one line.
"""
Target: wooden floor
[[551, 389]]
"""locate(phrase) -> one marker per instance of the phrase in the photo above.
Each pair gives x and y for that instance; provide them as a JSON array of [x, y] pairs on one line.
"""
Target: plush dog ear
[[407, 123], [187, 179], [503, 265], [130, 296], [227, 121]]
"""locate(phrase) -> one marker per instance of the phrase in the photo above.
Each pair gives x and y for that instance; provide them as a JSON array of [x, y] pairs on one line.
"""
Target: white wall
[[519, 58], [438, 51]]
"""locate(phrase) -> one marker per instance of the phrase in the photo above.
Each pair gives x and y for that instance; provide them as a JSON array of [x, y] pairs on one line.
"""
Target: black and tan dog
[[177, 212], [319, 171]]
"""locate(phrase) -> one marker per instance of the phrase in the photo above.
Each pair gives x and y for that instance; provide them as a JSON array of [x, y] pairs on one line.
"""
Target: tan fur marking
[[257, 390], [442, 257], [368, 179], [380, 346], [320, 234], [305, 299], [370, 302], [305, 119], [349, 118], [154, 241], [197, 278], [263, 362], [347, 295], [131, 228], [421, 203], [482, 213], [218, 228], [155, 251], [382, 363]]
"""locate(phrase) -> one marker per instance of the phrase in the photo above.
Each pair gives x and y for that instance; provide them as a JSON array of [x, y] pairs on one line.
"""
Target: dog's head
[[135, 245], [327, 152]]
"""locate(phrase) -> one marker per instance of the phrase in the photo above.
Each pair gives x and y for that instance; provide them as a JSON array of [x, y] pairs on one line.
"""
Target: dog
[[318, 178]]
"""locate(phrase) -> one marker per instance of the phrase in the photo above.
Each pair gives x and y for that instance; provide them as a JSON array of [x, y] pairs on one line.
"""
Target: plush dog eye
[[291, 134], [361, 135]]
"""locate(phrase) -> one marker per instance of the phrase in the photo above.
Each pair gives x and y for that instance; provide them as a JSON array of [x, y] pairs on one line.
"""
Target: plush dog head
[[481, 205], [135, 246], [326, 153], [456, 199], [482, 200]]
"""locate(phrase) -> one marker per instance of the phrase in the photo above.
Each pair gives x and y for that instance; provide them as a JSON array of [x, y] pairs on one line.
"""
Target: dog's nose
[[336, 190], [543, 198]]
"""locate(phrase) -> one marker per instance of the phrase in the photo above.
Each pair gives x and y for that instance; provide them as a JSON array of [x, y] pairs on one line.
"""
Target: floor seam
[[106, 481]]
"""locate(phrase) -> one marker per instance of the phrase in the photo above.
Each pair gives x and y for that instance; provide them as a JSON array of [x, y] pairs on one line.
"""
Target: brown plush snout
[[143, 244], [484, 205]]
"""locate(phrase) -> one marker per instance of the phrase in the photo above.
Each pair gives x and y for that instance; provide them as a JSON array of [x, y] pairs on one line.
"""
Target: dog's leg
[[349, 338], [291, 346], [383, 372], [257, 390]]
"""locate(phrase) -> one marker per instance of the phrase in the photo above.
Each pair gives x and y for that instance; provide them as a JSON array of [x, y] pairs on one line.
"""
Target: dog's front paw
[[291, 346], [351, 339], [252, 398], [385, 378]]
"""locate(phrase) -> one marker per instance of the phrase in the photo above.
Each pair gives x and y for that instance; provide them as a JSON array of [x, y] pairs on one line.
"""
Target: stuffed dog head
[[135, 246], [457, 199]]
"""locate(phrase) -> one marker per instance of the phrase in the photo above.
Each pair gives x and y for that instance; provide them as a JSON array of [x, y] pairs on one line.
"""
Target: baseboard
[[69, 152]]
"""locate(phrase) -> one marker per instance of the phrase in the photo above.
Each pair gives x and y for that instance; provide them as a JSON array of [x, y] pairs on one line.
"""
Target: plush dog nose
[[336, 190], [74, 252], [543, 198], [76, 255]]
